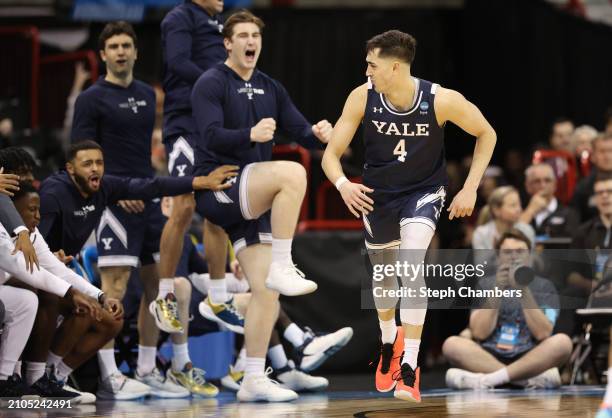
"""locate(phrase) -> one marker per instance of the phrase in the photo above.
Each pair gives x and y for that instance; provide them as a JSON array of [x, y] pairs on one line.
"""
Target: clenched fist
[[264, 130]]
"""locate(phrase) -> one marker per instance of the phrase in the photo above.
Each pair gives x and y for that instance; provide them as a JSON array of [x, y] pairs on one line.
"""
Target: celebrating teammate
[[237, 108]]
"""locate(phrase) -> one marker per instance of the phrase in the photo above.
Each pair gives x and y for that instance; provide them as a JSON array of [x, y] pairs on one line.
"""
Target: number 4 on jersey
[[400, 150]]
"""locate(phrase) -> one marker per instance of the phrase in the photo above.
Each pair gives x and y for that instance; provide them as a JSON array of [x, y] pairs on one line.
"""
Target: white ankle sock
[[146, 359], [240, 364], [281, 250], [496, 378], [277, 356], [294, 335], [217, 291], [165, 286], [53, 359], [254, 366], [180, 356], [34, 371], [62, 371], [411, 352], [107, 363], [388, 330]]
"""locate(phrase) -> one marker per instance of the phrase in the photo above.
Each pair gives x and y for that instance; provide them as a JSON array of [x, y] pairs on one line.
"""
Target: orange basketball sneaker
[[389, 362], [408, 380]]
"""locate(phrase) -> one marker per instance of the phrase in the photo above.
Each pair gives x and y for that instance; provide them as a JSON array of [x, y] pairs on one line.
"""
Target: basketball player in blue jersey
[[236, 109], [192, 43], [404, 181]]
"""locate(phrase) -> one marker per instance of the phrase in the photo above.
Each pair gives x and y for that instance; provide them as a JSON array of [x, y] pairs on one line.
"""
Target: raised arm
[[452, 106], [353, 194]]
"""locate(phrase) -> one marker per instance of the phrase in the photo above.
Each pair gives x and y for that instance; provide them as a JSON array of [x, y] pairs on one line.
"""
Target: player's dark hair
[[16, 160], [512, 234], [241, 16], [81, 146], [393, 43], [25, 187], [116, 28]]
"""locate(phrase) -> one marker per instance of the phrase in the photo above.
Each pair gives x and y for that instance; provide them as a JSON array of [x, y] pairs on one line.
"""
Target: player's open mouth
[[250, 54], [121, 62], [94, 181]]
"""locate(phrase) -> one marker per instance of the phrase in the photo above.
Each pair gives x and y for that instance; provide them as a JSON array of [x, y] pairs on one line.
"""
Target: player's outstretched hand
[[323, 130], [463, 204], [355, 198], [218, 179], [24, 245], [132, 206], [236, 269], [9, 183], [264, 130]]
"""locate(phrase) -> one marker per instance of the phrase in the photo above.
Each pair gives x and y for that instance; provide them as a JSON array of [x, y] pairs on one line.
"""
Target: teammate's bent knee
[[182, 209], [182, 290]]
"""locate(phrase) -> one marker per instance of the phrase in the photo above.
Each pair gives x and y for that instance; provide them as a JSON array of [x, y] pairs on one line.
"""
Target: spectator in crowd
[[501, 214], [513, 336], [561, 135], [582, 139], [593, 235], [545, 214], [583, 200]]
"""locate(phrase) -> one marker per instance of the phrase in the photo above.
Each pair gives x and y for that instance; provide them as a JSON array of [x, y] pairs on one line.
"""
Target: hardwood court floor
[[569, 402]]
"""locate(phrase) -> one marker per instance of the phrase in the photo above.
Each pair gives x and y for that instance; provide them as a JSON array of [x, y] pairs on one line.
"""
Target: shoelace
[[375, 358], [267, 373], [295, 268], [232, 309], [198, 376], [406, 374]]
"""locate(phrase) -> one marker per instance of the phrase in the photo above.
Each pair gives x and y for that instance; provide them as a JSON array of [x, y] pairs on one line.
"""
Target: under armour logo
[[377, 109], [107, 243], [437, 212], [402, 157], [231, 180], [181, 169]]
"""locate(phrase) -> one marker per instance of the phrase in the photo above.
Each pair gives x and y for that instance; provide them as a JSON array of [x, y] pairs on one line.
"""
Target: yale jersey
[[404, 150]]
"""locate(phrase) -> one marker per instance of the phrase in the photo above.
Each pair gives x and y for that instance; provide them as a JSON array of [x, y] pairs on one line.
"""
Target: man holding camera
[[512, 339]]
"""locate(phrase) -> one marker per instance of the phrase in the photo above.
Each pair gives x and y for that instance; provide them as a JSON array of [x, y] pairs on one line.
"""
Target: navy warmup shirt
[[192, 43], [68, 219], [121, 120], [225, 108]]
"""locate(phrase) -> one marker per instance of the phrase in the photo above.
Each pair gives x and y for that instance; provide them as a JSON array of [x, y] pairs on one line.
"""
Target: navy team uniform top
[[404, 150], [68, 219], [121, 120], [192, 43], [225, 108]]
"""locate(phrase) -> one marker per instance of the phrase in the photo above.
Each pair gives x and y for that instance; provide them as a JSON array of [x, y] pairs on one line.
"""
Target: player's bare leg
[[279, 186], [261, 315], [113, 384], [148, 335], [170, 250], [182, 372]]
